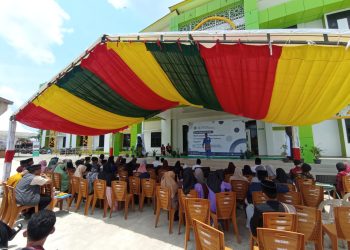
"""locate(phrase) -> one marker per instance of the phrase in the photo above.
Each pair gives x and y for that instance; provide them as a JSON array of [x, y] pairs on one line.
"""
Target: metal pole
[[10, 149]]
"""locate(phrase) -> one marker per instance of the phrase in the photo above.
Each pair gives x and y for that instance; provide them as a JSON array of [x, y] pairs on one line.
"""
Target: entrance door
[[253, 131], [184, 139]]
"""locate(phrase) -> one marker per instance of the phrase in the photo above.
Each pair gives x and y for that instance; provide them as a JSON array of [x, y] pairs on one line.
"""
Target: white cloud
[[119, 4], [32, 27]]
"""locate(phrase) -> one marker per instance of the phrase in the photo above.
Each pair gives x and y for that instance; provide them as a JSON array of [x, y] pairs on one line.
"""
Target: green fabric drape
[[186, 70], [85, 85]]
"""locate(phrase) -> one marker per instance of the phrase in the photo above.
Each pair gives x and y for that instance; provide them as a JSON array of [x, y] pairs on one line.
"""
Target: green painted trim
[[117, 140], [278, 128], [341, 136], [306, 139]]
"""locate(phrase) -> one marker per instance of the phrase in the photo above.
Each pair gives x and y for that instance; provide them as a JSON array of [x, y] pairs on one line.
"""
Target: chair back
[[135, 185], [276, 239], [181, 196], [259, 197], [49, 175], [160, 174], [227, 178], [47, 189], [291, 197], [152, 173], [312, 195], [240, 188], [123, 175], [207, 237], [163, 197], [75, 183], [346, 183], [84, 187], [148, 187], [309, 222], [100, 189], [342, 222], [225, 205], [56, 180], [196, 208], [4, 201], [300, 183], [291, 187], [119, 190], [280, 221]]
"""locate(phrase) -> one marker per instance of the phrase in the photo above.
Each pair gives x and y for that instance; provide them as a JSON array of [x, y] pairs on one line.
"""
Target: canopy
[[293, 77]]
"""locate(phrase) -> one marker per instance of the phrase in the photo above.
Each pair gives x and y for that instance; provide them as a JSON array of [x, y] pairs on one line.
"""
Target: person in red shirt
[[342, 171], [296, 171]]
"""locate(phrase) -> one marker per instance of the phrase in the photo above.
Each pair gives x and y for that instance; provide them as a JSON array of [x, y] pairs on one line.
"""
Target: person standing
[[207, 145]]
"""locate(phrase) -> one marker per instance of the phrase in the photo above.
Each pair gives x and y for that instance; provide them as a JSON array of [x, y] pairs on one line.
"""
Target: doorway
[[185, 139], [252, 132]]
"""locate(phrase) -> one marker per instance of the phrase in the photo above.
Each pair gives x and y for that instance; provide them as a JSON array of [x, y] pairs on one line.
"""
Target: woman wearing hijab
[[168, 180], [215, 185], [230, 168], [270, 172], [238, 176], [306, 168], [91, 177], [178, 171], [43, 165], [143, 170], [62, 170], [108, 176], [247, 171], [80, 171], [188, 181], [282, 177], [201, 186]]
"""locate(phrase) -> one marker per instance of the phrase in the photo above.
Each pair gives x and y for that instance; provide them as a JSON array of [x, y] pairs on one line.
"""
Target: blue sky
[[38, 38]]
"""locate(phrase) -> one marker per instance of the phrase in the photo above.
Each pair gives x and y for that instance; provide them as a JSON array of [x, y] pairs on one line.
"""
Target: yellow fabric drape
[[141, 61], [312, 84], [74, 109]]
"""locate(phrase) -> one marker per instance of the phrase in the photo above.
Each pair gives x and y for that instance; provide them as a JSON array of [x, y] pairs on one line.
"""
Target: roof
[[290, 77], [6, 101]]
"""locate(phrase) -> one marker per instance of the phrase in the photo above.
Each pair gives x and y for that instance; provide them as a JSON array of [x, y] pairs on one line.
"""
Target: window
[[101, 141], [64, 142], [156, 139], [126, 141], [347, 126]]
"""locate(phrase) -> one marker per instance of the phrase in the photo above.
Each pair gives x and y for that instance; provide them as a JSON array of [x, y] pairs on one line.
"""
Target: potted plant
[[284, 154], [316, 151], [154, 152], [241, 156]]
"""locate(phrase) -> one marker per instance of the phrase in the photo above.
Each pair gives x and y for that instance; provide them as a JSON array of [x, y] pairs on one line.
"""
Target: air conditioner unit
[[339, 19]]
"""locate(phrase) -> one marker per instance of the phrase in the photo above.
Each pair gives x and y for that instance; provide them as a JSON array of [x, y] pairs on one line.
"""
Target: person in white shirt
[[257, 163], [156, 163], [197, 165]]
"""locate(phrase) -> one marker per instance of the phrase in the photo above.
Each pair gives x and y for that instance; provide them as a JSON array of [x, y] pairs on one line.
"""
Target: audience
[[306, 168], [178, 169], [62, 170], [230, 168], [238, 176], [247, 171], [270, 172], [43, 165], [197, 165], [257, 164], [28, 190], [282, 177], [296, 171], [188, 181], [342, 171], [108, 175], [156, 163], [14, 179], [168, 180], [216, 184], [95, 164], [81, 169], [52, 164], [40, 226]]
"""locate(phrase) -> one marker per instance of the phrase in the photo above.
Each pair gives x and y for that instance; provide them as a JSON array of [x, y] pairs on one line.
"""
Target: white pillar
[[68, 141], [43, 137], [10, 150], [107, 143], [74, 141]]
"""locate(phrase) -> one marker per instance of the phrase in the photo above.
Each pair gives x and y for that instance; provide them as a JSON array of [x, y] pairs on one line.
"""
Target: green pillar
[[251, 14], [117, 143], [135, 129], [306, 142], [341, 137]]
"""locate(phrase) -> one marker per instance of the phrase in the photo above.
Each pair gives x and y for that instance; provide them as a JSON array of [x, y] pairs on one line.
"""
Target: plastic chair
[[4, 202], [74, 189], [291, 197], [280, 221], [195, 208], [152, 173], [312, 195], [123, 175], [310, 224], [240, 188], [259, 197], [57, 180], [164, 202], [277, 239], [160, 174], [148, 191], [14, 208], [207, 237], [346, 184], [120, 193], [181, 198], [300, 182], [341, 228], [83, 193], [291, 187], [226, 210], [100, 193], [135, 187]]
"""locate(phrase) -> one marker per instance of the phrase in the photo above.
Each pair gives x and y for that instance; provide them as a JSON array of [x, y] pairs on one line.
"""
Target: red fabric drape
[[9, 154], [242, 77], [108, 66], [38, 117]]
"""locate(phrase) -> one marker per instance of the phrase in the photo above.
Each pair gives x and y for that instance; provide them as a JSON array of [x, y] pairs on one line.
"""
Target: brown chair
[[300, 182], [164, 202], [83, 193], [280, 221], [161, 172], [148, 191], [259, 197], [135, 187], [14, 208], [181, 198], [152, 173], [291, 197], [240, 188], [277, 239], [207, 237], [226, 210], [120, 193], [123, 175], [310, 224], [346, 184], [49, 175], [74, 184], [99, 193], [341, 228], [57, 180], [195, 208], [4, 202], [291, 187], [312, 195]]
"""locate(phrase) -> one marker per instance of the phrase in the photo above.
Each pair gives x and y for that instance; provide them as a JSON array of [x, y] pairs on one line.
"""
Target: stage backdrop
[[228, 137]]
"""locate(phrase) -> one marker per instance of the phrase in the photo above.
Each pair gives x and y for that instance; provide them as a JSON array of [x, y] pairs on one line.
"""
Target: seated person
[[188, 181], [14, 179], [168, 180], [200, 186], [197, 165], [230, 168], [156, 163], [306, 168], [28, 189], [40, 226], [95, 163], [269, 188], [342, 171], [238, 176], [296, 171], [62, 170], [143, 170], [257, 164], [282, 177], [247, 171], [216, 184]]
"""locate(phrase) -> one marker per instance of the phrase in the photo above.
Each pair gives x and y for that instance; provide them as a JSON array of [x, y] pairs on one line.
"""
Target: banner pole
[[10, 149]]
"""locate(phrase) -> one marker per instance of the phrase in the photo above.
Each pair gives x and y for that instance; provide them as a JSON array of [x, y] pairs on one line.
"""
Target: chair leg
[[157, 216], [251, 243], [235, 230], [93, 205], [105, 206], [171, 221], [77, 205], [133, 202], [180, 221], [334, 241], [187, 234], [141, 201], [13, 217], [87, 204], [126, 208]]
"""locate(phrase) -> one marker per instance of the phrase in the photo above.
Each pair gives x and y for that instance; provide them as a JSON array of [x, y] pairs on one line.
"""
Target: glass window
[[156, 139], [126, 141], [101, 141], [347, 126]]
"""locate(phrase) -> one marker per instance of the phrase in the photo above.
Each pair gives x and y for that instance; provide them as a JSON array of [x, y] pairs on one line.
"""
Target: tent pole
[[10, 149]]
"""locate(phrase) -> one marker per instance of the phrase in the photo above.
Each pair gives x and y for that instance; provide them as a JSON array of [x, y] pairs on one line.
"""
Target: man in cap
[[30, 161], [269, 188], [28, 189]]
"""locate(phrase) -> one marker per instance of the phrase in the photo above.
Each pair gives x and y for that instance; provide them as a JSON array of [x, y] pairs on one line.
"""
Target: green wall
[[117, 143], [341, 136], [306, 142]]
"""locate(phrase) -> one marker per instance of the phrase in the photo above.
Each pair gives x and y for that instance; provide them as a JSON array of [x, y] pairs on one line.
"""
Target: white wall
[[107, 143], [68, 145], [74, 141], [261, 138], [43, 137], [316, 24], [274, 139], [95, 141], [326, 136], [264, 4]]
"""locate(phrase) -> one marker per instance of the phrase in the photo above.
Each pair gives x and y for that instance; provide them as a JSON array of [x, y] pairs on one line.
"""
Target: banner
[[36, 148], [227, 137]]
